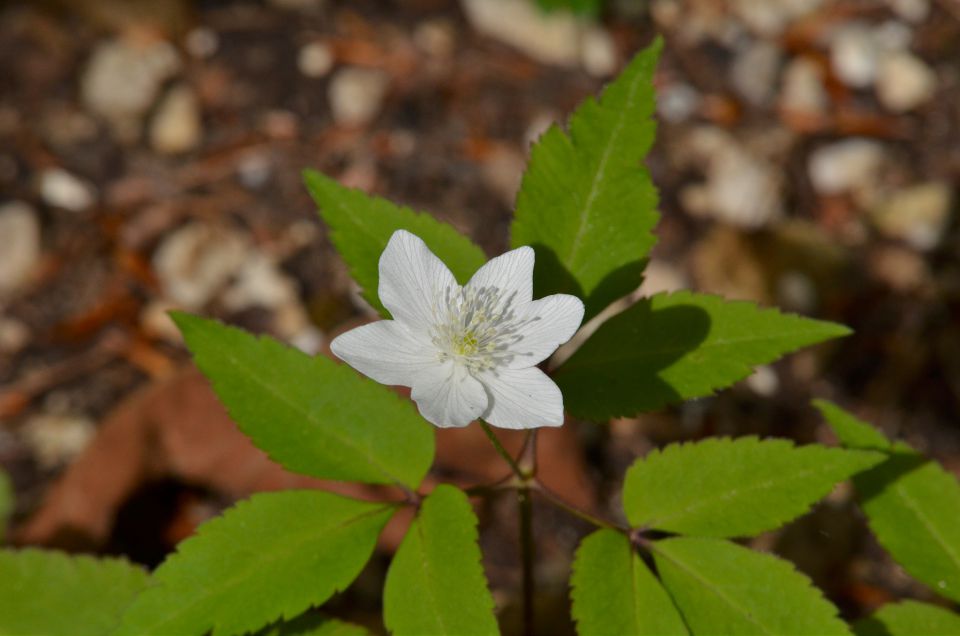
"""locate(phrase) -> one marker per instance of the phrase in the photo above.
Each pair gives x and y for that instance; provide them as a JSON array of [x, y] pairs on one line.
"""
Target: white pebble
[[315, 59], [356, 95], [598, 53], [905, 82], [61, 189], [177, 126], [851, 164], [19, 245]]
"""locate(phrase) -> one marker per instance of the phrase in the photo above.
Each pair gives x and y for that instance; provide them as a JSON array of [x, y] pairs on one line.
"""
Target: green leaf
[[46, 593], [6, 503], [435, 584], [911, 505], [311, 414], [586, 204], [614, 592], [361, 225], [678, 346], [724, 588], [313, 624], [269, 557], [851, 431], [909, 618], [734, 488]]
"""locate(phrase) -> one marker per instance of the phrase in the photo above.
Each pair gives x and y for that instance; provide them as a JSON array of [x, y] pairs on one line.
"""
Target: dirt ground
[[150, 155]]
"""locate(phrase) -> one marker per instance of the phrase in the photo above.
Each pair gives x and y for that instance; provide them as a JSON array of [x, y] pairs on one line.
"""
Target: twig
[[555, 499]]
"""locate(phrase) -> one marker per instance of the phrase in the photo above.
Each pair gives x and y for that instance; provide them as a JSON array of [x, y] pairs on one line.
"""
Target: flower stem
[[503, 451], [555, 499], [525, 505]]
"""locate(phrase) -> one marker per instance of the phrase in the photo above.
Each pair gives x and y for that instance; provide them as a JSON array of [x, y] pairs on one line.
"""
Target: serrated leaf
[[909, 618], [271, 556], [46, 593], [314, 624], [614, 592], [678, 346], [850, 430], [361, 226], [911, 505], [720, 487], [435, 584], [311, 414], [723, 588], [586, 205], [6, 503]]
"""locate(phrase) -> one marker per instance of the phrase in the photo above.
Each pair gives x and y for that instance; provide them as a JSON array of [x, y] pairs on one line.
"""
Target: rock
[[849, 165], [315, 59], [356, 94], [197, 260], [156, 323], [754, 72], [177, 126], [60, 189], [121, 81], [904, 82], [770, 18], [915, 11], [678, 102], [19, 246], [201, 42], [662, 276], [437, 38], [56, 439], [259, 283], [551, 38], [918, 214], [902, 269], [803, 89], [598, 54], [855, 55], [310, 340], [14, 336], [740, 188], [764, 381]]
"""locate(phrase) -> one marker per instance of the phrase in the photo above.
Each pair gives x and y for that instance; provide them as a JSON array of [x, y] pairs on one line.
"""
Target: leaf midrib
[[709, 585], [291, 548], [310, 416], [927, 523], [600, 172]]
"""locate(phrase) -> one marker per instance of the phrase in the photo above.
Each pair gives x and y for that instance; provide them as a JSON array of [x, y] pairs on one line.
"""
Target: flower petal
[[546, 324], [447, 395], [510, 272], [522, 398], [385, 351], [413, 280]]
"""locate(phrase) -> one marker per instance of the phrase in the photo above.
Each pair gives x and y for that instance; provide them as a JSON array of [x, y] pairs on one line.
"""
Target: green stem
[[500, 449], [555, 499]]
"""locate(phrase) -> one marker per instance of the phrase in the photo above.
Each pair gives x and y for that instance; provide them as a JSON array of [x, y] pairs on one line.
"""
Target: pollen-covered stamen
[[477, 327]]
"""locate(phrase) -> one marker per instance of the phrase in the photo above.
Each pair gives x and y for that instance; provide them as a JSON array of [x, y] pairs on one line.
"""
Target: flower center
[[477, 327]]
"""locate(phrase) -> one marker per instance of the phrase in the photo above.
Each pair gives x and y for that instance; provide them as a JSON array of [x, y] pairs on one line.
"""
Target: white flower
[[466, 352]]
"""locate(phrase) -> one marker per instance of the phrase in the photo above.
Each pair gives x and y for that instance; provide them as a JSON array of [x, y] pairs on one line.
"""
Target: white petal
[[547, 324], [447, 395], [522, 398], [385, 351], [413, 280], [510, 272]]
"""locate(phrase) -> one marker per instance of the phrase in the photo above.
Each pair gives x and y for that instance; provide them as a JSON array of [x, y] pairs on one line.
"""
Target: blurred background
[[150, 152]]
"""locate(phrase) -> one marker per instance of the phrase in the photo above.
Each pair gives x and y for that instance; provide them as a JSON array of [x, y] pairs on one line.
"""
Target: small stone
[[550, 38], [915, 11], [740, 188], [196, 261], [754, 72], [437, 38], [771, 18], [849, 165], [598, 54], [503, 170], [259, 283], [255, 170], [539, 124], [201, 42], [678, 102], [902, 269], [60, 189], [56, 439], [797, 292], [660, 276], [310, 340], [855, 55], [177, 127], [918, 215], [356, 94], [14, 336], [156, 323], [803, 89], [905, 82], [315, 59], [122, 79], [764, 381], [19, 246]]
